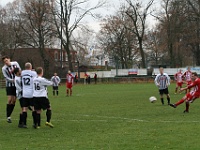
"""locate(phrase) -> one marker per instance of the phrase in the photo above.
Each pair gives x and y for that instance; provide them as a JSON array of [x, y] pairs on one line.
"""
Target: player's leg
[[180, 101], [25, 104], [53, 90], [161, 96], [47, 106], [57, 90], [71, 91], [166, 92], [10, 107], [168, 98], [38, 119], [176, 89], [24, 116], [67, 91], [20, 124]]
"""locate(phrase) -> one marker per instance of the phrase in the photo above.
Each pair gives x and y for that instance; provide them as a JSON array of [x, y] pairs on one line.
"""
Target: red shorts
[[69, 85], [189, 82], [179, 84], [191, 96]]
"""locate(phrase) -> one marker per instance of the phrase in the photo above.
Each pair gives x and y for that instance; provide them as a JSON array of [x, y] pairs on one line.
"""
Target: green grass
[[106, 117]]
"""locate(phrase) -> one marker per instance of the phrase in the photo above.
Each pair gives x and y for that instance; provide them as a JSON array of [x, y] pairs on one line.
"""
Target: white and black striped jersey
[[56, 80], [40, 86], [18, 85], [27, 83], [162, 81], [8, 73]]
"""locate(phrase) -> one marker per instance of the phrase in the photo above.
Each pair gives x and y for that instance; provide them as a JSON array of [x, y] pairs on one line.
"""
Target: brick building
[[53, 59]]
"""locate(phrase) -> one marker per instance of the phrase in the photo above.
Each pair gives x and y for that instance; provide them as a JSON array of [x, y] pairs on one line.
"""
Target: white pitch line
[[139, 120]]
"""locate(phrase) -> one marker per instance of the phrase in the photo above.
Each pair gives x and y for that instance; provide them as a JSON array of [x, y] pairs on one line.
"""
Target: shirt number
[[37, 87], [26, 81]]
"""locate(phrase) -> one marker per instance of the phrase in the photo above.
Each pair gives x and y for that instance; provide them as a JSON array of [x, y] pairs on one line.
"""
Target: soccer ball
[[152, 99]]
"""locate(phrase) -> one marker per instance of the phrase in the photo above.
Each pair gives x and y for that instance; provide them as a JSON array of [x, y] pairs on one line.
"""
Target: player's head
[[188, 68], [6, 60], [28, 66], [194, 75], [180, 70], [55, 74], [69, 72], [39, 71], [161, 69], [17, 71]]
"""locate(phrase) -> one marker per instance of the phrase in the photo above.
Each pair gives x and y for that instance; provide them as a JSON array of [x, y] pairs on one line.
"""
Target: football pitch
[[106, 117]]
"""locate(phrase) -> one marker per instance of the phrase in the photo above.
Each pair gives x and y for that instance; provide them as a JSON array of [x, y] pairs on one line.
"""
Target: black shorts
[[164, 91], [41, 103], [55, 88], [26, 102], [11, 91]]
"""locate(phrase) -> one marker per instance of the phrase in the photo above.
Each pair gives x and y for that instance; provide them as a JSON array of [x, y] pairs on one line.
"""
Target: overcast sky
[[111, 7]]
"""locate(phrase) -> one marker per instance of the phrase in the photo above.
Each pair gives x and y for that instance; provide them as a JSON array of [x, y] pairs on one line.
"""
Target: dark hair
[[4, 57], [39, 70], [195, 74], [16, 70]]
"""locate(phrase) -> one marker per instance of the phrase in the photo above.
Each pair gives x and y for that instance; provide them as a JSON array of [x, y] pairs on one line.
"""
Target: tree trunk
[[142, 54], [67, 48]]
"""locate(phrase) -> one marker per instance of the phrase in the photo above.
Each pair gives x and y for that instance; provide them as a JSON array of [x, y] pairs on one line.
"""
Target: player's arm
[[16, 64], [168, 79], [18, 85], [46, 82], [189, 86], [156, 80], [6, 76], [175, 77]]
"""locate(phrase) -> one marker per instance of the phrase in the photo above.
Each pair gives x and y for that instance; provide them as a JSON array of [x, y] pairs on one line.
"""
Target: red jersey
[[188, 76], [196, 86], [69, 78], [178, 77]]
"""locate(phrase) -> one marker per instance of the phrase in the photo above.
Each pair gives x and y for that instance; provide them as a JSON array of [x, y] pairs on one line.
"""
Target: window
[[66, 57], [56, 56]]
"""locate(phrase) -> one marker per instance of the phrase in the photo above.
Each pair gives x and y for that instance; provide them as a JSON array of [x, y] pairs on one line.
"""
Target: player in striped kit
[[56, 81], [162, 81], [179, 80], [191, 96], [8, 73], [27, 76], [69, 83]]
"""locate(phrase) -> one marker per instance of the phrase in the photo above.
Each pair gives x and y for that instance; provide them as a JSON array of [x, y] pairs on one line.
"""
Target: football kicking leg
[[179, 102]]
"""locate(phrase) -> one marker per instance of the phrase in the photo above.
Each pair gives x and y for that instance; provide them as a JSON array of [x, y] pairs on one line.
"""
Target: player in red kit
[[188, 77], [191, 96], [179, 80], [69, 83]]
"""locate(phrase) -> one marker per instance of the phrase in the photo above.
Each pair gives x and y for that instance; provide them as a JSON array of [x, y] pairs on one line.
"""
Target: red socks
[[180, 102]]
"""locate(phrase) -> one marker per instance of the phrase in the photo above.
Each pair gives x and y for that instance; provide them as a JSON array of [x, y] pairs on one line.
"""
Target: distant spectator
[[76, 78], [95, 78], [88, 79]]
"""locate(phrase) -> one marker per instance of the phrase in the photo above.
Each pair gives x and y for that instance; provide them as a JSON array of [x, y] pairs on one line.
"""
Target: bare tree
[[138, 16], [36, 29], [117, 41], [68, 16]]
